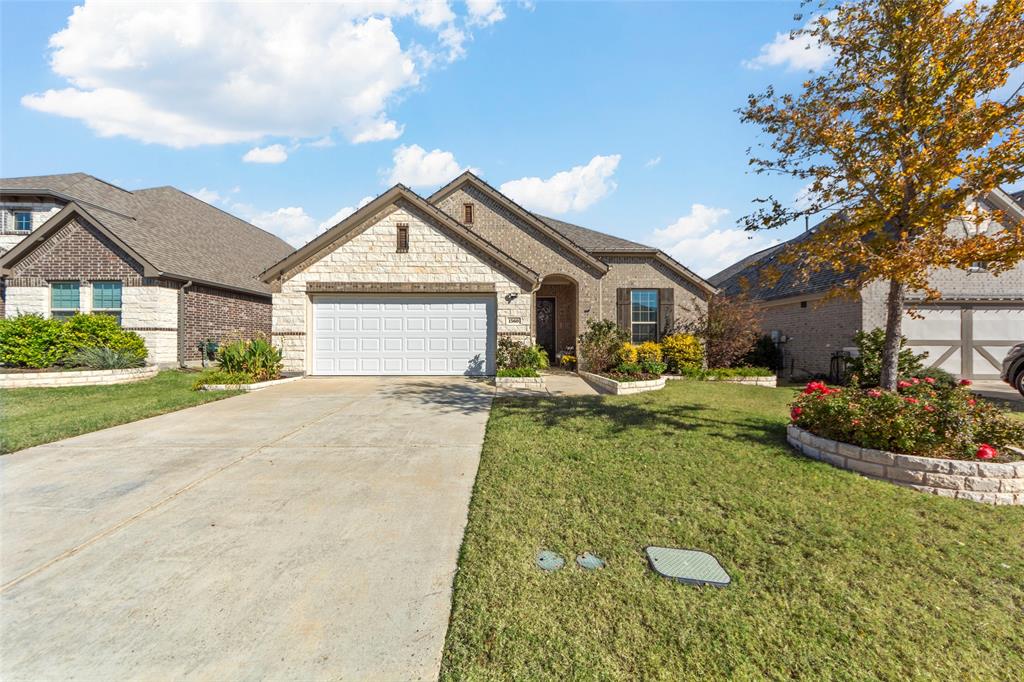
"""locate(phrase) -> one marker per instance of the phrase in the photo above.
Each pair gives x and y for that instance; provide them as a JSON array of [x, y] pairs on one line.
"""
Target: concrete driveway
[[307, 531]]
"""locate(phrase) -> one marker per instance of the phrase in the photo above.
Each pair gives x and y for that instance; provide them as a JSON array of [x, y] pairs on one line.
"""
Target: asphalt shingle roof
[[592, 240], [177, 233]]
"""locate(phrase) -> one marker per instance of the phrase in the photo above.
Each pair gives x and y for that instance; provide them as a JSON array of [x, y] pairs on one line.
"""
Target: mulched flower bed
[[922, 418]]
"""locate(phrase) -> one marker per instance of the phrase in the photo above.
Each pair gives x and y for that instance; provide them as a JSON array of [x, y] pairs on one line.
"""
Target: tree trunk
[[893, 335]]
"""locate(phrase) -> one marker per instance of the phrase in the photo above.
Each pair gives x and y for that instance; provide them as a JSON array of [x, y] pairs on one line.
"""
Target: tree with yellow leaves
[[915, 119]]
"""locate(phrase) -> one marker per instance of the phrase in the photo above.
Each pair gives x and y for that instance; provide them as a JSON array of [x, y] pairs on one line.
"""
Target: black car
[[1013, 368]]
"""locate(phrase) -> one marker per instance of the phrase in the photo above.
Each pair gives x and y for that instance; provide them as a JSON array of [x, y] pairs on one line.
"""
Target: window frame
[[402, 238], [467, 213], [17, 216], [107, 310], [64, 312], [651, 327]]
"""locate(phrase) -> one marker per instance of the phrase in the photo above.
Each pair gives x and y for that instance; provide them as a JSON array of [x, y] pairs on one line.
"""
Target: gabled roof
[[400, 193], [1019, 197], [175, 234], [584, 242], [470, 178], [744, 275]]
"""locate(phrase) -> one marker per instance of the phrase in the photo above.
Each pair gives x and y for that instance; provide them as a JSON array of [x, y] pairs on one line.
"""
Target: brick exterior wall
[[219, 314], [76, 251], [545, 256], [79, 252], [815, 332]]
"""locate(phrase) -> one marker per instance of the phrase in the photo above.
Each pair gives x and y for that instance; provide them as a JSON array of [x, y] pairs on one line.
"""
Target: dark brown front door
[[546, 325]]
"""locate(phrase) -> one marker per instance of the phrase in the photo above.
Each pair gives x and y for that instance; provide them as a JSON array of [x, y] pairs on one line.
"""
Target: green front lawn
[[31, 416], [834, 576]]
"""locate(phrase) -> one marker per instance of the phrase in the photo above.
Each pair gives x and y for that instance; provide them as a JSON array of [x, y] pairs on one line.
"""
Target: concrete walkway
[[555, 384], [307, 531]]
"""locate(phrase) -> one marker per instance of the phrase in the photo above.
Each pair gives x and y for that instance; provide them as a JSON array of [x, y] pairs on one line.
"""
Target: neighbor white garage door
[[969, 340], [414, 334]]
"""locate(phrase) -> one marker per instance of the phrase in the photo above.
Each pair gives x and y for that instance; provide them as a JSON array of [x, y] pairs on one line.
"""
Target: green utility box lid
[[689, 566]]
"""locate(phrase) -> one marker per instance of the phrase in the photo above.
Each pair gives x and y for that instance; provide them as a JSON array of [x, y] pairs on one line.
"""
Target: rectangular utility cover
[[688, 566], [404, 334]]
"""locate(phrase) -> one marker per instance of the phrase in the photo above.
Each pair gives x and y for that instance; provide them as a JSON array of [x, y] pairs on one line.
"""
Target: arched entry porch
[[555, 312]]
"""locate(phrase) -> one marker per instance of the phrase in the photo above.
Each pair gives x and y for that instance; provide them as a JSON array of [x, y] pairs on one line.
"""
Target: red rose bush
[[919, 418]]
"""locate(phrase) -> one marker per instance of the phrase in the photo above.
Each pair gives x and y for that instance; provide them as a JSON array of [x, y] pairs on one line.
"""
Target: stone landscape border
[[771, 381], [988, 482], [531, 383], [614, 387], [85, 377], [248, 388]]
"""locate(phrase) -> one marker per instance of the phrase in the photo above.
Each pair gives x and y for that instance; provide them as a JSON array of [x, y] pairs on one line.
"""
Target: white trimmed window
[[65, 300], [23, 221], [106, 299], [643, 309]]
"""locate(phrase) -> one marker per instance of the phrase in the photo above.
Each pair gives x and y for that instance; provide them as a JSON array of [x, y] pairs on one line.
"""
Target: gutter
[[181, 323]]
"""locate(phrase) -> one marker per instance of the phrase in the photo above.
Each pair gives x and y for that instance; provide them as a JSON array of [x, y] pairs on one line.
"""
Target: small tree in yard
[[729, 328], [911, 123]]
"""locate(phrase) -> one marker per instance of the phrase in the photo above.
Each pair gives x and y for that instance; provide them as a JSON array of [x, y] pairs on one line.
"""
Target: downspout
[[181, 323]]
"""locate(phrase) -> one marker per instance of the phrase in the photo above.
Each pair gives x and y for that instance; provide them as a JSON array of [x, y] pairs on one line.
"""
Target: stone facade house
[[167, 265], [414, 285], [967, 331]]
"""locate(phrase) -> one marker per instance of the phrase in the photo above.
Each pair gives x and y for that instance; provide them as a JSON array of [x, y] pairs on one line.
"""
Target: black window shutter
[[622, 308], [666, 307]]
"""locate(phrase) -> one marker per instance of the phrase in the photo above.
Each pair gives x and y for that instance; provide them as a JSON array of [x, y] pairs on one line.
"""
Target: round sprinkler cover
[[549, 561], [589, 561], [689, 566]]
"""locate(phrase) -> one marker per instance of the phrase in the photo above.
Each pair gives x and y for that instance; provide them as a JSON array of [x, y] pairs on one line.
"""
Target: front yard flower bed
[[629, 385], [919, 418]]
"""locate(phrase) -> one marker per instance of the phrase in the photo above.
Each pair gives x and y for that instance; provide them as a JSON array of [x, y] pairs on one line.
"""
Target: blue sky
[[616, 116]]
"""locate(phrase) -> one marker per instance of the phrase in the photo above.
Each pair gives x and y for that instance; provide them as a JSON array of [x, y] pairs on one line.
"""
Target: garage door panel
[[403, 335], [981, 336]]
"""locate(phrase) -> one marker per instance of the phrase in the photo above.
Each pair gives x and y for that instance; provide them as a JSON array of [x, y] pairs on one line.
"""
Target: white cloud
[[797, 53], [573, 190], [699, 241], [416, 167], [210, 196], [275, 153], [194, 73], [292, 223], [323, 142], [484, 12], [651, 163]]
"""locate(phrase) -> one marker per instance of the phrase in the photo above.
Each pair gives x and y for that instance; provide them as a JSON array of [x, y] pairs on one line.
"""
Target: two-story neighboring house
[[167, 265], [967, 331]]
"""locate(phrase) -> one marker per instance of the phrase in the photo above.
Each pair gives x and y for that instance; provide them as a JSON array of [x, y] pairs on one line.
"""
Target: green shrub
[[512, 354], [939, 377], [599, 343], [680, 351], [30, 341], [725, 373], [257, 358], [626, 354], [518, 372], [217, 376], [916, 419], [105, 358], [866, 369], [764, 354], [648, 351], [83, 331]]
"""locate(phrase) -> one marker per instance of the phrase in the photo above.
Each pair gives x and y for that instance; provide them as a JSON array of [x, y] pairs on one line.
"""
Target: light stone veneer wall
[[152, 312], [26, 300], [988, 482], [433, 257]]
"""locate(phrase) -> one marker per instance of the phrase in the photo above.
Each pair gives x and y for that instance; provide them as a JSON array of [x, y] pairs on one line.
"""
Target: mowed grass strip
[[32, 416], [834, 576]]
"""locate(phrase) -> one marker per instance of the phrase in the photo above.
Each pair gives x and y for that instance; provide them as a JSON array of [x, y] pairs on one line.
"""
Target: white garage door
[[415, 334], [969, 340]]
